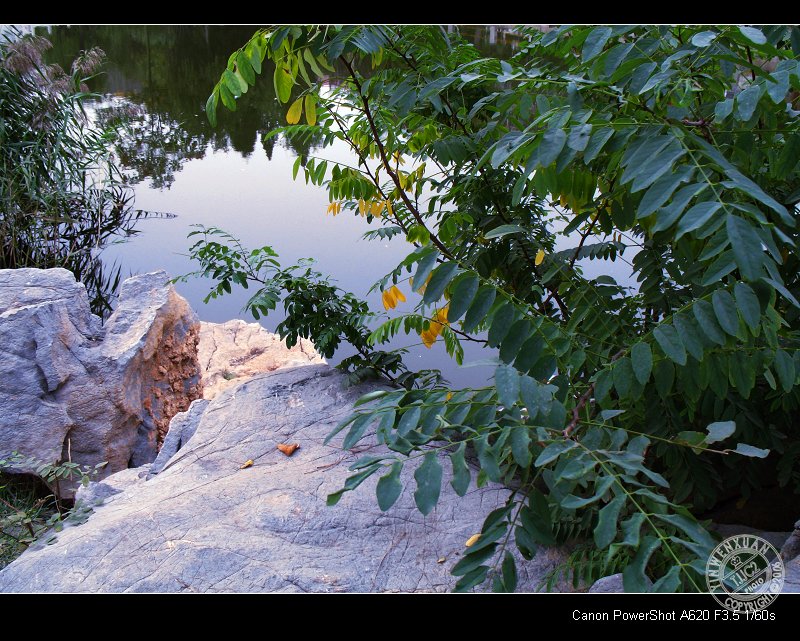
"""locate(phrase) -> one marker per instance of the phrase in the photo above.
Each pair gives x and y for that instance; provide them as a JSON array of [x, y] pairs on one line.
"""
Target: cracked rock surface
[[205, 524], [72, 389]]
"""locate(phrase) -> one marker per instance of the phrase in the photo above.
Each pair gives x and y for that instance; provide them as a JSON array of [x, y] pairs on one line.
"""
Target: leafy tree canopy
[[617, 412]]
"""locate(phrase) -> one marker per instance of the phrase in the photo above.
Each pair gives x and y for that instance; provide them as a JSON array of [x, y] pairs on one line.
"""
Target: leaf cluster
[[620, 411]]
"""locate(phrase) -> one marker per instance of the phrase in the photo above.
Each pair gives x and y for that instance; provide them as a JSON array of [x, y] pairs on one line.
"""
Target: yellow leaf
[[472, 540], [428, 336], [295, 111], [375, 208], [539, 257], [362, 206], [398, 295], [449, 396], [435, 327], [247, 463], [389, 301], [422, 289], [389, 208], [311, 110]]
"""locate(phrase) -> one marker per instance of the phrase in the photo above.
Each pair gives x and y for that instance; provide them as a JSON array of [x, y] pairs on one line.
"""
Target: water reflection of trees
[[165, 74], [500, 41], [160, 77], [154, 147]]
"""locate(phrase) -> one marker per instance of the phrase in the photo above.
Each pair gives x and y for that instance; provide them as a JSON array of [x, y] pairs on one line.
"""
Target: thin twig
[[582, 400], [384, 159]]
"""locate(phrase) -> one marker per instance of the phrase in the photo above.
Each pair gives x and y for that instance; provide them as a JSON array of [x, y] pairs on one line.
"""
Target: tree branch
[[500, 209], [582, 400], [385, 161], [363, 162]]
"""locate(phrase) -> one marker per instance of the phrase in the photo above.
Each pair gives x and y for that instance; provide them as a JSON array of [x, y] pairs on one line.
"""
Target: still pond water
[[229, 176]]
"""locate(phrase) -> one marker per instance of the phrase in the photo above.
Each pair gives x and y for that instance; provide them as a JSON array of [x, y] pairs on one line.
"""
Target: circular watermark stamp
[[745, 573]]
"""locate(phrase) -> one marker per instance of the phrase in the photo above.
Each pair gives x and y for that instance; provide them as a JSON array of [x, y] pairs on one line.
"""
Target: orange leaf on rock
[[288, 448]]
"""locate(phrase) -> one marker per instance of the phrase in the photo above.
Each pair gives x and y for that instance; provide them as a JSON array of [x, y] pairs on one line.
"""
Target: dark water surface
[[229, 176]]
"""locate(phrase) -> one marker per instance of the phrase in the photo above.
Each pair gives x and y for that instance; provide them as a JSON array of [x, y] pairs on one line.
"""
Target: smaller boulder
[[234, 351]]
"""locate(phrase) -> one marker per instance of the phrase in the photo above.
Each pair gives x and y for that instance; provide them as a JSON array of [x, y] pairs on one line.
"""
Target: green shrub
[[618, 412], [27, 512]]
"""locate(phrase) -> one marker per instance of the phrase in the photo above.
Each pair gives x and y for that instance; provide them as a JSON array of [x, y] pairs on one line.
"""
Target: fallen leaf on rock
[[442, 560], [247, 463], [288, 448], [472, 540]]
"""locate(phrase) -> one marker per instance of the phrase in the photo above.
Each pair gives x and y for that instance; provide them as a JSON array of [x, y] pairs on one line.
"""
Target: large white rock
[[205, 524], [71, 389]]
